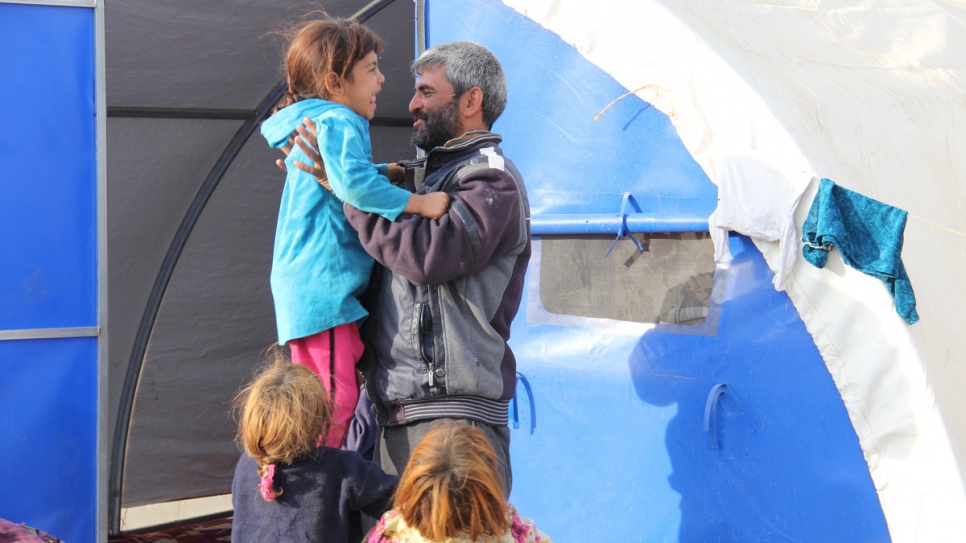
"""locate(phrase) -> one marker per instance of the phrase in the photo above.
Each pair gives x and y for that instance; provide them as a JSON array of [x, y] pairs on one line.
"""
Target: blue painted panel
[[48, 268], [572, 163], [48, 426], [48, 220], [619, 452]]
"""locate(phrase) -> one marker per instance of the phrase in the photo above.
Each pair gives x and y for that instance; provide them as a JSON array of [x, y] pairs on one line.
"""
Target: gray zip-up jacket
[[436, 338]]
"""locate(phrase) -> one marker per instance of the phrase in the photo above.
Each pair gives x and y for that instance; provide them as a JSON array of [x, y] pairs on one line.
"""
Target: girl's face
[[364, 82]]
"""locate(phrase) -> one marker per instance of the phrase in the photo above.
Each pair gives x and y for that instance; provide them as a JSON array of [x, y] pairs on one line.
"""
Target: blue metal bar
[[610, 223], [49, 333], [65, 3]]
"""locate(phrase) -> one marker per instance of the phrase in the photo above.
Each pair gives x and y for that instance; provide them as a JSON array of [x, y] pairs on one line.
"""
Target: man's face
[[435, 109]]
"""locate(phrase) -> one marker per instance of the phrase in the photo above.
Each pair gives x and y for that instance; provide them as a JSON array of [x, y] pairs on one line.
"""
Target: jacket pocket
[[422, 334]]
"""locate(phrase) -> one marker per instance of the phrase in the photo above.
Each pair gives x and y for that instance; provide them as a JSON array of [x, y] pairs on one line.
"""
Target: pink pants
[[332, 355]]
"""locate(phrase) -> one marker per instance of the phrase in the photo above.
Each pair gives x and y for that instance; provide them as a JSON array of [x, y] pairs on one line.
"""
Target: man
[[437, 335]]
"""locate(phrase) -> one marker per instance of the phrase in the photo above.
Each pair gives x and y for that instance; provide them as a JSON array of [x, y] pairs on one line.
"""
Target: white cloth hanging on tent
[[759, 201]]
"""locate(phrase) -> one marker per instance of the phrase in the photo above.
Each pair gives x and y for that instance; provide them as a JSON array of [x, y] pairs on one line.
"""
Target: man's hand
[[307, 142], [286, 150]]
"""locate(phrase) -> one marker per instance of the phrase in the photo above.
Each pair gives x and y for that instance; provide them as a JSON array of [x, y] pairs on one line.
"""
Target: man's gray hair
[[469, 65]]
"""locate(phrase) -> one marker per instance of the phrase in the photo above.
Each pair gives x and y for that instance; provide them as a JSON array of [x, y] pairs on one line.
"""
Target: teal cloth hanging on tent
[[868, 234]]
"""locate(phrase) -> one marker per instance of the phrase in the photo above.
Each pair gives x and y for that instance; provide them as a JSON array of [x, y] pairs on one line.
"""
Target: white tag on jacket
[[495, 161]]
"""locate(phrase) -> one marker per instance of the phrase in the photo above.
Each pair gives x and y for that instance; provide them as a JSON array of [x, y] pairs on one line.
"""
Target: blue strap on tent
[[711, 411], [533, 406], [627, 200]]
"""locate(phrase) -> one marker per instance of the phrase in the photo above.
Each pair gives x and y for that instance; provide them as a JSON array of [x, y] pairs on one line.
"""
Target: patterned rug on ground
[[19, 533]]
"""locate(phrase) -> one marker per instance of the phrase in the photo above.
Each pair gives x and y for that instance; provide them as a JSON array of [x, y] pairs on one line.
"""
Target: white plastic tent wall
[[873, 96]]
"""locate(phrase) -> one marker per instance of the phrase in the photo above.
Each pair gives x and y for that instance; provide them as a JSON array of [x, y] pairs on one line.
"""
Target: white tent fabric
[[873, 96]]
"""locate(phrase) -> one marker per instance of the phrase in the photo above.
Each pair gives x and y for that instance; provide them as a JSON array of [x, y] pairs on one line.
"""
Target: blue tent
[[677, 380]]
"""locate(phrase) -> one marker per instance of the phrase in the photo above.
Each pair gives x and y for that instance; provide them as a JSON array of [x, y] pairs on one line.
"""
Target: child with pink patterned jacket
[[451, 492]]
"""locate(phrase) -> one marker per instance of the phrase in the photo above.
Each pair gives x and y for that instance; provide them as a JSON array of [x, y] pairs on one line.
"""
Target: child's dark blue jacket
[[322, 495]]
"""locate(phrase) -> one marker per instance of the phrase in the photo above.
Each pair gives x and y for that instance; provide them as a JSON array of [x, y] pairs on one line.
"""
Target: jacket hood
[[277, 128]]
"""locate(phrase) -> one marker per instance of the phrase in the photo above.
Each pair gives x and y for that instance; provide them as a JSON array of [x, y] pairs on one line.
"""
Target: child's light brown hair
[[284, 414], [321, 48], [451, 485]]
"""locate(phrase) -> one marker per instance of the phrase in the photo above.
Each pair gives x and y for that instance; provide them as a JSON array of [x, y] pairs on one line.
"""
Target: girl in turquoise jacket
[[319, 268]]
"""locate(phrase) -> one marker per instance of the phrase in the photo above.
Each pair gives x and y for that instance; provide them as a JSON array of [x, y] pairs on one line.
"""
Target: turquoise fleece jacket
[[319, 268]]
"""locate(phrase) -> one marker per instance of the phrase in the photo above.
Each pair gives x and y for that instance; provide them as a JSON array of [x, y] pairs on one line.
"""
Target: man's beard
[[439, 126]]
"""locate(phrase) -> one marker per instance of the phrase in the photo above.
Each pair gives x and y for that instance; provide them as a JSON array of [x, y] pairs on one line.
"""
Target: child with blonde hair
[[288, 487], [451, 492], [319, 268]]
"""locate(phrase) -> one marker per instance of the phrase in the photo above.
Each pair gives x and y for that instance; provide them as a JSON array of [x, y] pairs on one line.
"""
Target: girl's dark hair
[[320, 47]]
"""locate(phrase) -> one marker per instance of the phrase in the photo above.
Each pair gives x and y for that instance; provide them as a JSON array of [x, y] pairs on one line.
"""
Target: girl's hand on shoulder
[[431, 206], [437, 204], [395, 173]]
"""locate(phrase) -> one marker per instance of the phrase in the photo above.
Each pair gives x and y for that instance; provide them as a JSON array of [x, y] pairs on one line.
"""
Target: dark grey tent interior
[[192, 202]]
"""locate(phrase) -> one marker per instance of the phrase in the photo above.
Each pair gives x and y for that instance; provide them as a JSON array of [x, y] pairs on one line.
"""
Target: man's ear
[[333, 84], [473, 102]]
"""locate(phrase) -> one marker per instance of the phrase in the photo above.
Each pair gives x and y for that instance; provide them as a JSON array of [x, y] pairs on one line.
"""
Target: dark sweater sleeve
[[369, 488], [483, 222]]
